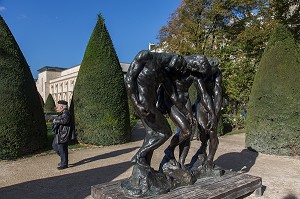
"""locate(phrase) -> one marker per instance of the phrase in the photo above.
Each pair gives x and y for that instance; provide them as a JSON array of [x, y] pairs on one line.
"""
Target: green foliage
[[220, 127], [100, 98], [227, 30], [49, 106], [22, 123], [132, 113], [288, 12], [273, 115], [192, 94], [41, 100]]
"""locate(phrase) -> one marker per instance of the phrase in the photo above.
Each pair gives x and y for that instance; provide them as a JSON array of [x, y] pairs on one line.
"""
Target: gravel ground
[[36, 177]]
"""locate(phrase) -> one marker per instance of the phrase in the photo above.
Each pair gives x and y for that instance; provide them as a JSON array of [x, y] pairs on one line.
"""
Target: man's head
[[61, 105], [198, 63]]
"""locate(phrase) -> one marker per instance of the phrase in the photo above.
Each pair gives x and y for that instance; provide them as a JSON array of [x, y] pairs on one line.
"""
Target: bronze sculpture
[[179, 139], [208, 109], [207, 80], [144, 75], [173, 74]]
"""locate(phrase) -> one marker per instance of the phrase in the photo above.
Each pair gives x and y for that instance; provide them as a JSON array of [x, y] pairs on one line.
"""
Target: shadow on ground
[[103, 156], [69, 186], [237, 161]]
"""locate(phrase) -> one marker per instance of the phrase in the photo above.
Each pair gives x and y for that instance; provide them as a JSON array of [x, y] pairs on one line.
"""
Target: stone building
[[60, 82]]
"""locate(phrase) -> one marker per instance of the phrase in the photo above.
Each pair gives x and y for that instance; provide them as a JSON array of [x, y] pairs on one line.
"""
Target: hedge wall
[[273, 115], [100, 98], [22, 123]]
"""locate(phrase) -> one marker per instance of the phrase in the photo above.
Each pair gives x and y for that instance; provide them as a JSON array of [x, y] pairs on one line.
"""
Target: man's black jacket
[[62, 127]]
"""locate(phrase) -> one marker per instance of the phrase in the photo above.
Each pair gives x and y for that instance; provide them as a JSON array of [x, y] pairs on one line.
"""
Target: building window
[[52, 89], [67, 85]]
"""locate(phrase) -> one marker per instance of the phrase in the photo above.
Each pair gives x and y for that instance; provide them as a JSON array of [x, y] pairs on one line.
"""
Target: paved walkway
[[37, 177]]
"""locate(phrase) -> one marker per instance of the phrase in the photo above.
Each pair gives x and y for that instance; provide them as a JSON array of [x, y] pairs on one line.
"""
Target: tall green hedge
[[49, 106], [41, 100], [100, 98], [22, 123], [273, 115]]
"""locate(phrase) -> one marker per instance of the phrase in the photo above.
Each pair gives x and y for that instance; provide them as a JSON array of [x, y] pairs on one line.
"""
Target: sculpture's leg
[[181, 136], [184, 148], [169, 151], [204, 137], [156, 135], [145, 181], [213, 145]]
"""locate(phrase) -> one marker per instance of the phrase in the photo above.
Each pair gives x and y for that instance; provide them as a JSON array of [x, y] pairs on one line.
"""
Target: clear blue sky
[[56, 32]]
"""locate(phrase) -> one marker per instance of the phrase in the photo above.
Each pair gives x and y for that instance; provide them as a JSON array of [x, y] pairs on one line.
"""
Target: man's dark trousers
[[62, 151]]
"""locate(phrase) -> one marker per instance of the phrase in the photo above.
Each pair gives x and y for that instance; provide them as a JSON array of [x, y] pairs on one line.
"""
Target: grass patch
[[73, 144], [234, 132]]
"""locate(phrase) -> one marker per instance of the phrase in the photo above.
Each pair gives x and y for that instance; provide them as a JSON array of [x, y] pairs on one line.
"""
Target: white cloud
[[2, 8]]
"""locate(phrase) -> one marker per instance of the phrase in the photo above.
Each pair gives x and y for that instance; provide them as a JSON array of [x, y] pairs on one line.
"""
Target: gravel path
[[36, 177]]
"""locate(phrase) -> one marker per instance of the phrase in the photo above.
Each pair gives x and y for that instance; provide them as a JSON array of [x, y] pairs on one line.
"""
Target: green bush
[[49, 106], [273, 115], [220, 127], [132, 113], [233, 122], [100, 98], [22, 123]]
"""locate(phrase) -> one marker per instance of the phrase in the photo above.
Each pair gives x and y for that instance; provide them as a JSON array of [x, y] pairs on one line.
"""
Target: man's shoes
[[62, 167]]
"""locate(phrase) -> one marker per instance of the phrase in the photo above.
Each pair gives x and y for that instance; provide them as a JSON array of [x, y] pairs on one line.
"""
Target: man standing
[[62, 128]]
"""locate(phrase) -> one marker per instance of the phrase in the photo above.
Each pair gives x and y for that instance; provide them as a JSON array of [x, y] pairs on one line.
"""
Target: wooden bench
[[230, 185]]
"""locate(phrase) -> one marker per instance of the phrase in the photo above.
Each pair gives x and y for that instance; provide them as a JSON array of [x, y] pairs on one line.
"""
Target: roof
[[51, 68], [124, 67]]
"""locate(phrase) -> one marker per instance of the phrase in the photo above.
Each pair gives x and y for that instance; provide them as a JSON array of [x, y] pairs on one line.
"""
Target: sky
[[56, 32]]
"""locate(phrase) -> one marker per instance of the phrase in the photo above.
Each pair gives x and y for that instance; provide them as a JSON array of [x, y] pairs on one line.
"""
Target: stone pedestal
[[230, 185]]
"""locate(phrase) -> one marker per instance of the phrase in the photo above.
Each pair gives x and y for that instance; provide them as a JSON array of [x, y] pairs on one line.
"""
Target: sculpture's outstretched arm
[[207, 103], [171, 91], [218, 94], [135, 68]]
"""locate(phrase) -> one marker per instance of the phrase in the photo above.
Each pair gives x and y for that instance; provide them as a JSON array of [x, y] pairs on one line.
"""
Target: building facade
[[60, 82]]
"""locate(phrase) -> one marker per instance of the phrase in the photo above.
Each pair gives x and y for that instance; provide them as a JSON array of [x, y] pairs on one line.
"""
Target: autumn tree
[[287, 12], [232, 31]]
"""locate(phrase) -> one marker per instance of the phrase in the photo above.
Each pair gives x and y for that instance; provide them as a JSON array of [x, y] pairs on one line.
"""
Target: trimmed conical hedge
[[49, 106], [100, 98], [41, 100], [273, 115], [22, 123]]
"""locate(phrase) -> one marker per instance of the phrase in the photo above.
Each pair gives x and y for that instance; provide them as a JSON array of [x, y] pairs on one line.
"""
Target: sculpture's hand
[[190, 118], [212, 123]]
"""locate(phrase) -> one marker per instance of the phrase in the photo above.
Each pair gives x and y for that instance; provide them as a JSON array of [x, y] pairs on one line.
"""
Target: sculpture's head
[[214, 63], [198, 63], [177, 64]]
